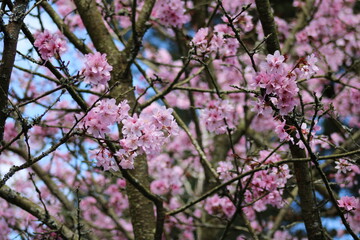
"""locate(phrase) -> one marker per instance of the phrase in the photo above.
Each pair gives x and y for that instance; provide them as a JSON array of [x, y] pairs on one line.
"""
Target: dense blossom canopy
[[176, 119]]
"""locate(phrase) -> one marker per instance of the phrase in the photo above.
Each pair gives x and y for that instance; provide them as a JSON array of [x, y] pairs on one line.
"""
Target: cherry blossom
[[348, 203], [170, 13], [215, 113], [49, 45], [222, 207], [104, 159], [201, 41], [343, 165], [96, 70], [224, 170], [243, 107]]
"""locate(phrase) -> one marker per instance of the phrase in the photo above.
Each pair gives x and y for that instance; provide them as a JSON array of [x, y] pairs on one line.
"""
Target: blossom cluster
[[267, 185], [348, 203], [244, 21], [222, 207], [170, 13], [278, 81], [283, 133], [177, 174], [221, 42], [352, 206], [66, 9], [216, 113], [106, 113], [224, 170], [347, 173], [146, 133], [49, 45], [97, 69], [116, 197], [170, 181]]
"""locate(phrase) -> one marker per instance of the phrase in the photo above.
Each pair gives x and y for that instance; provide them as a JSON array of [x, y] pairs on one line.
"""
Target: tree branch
[[11, 35], [15, 198]]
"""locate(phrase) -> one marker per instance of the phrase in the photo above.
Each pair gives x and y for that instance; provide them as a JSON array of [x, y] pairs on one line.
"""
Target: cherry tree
[[174, 119]]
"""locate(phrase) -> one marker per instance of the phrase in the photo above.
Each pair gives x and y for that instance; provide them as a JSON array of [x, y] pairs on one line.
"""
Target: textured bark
[[310, 212], [268, 25], [11, 35], [141, 208]]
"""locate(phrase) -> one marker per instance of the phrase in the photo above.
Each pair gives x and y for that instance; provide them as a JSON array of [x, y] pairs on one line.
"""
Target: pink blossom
[[348, 203], [224, 169], [281, 131], [170, 13], [160, 187], [275, 62], [94, 125], [223, 45], [261, 108], [306, 132], [220, 206], [96, 70], [308, 67], [244, 21], [228, 207], [126, 158], [121, 183], [10, 131], [343, 165], [201, 41], [162, 117], [132, 127], [146, 133], [215, 113], [49, 45], [348, 179], [105, 114], [213, 205], [278, 80], [104, 159]]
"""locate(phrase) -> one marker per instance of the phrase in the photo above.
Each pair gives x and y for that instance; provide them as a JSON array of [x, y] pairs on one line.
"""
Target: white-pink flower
[[104, 159], [170, 13], [49, 45], [97, 69], [126, 158], [308, 67], [224, 169], [281, 132], [275, 62], [216, 112], [348, 203], [343, 165], [201, 41]]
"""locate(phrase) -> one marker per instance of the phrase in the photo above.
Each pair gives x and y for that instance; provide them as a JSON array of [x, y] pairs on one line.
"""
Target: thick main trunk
[[141, 208]]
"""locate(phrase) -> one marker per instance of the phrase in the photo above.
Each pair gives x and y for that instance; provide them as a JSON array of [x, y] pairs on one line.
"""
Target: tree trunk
[[141, 208]]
